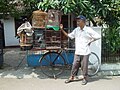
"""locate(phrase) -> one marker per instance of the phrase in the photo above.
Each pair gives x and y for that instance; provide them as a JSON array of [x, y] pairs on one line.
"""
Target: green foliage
[[111, 39], [110, 13], [5, 8], [9, 8], [64, 5]]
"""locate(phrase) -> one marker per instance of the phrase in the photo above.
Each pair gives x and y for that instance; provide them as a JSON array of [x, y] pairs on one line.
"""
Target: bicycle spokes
[[93, 64], [54, 64]]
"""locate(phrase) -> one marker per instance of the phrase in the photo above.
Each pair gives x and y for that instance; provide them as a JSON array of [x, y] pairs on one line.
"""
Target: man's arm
[[92, 40], [95, 36]]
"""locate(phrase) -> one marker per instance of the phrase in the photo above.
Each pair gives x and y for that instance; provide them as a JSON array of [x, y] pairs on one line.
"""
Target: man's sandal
[[69, 80]]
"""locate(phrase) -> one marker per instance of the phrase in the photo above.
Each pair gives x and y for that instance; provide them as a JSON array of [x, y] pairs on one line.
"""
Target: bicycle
[[54, 63]]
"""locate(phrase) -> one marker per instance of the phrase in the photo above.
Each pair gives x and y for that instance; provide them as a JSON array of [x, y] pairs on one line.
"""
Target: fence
[[110, 46], [108, 57]]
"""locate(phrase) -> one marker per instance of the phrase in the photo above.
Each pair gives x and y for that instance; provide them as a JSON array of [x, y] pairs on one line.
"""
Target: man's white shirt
[[82, 39]]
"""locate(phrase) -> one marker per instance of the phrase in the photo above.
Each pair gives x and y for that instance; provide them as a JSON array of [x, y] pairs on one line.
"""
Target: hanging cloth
[[27, 28]]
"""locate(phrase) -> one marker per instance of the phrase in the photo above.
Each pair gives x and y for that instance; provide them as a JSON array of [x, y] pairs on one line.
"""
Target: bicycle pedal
[[54, 77]]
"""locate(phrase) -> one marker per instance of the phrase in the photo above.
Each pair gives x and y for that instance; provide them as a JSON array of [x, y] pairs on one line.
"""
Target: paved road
[[109, 83]]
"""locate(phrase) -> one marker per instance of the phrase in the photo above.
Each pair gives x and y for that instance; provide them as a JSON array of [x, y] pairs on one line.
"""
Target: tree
[[17, 8], [105, 10], [69, 6]]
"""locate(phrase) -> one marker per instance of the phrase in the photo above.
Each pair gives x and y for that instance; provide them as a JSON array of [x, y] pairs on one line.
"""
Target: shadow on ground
[[13, 57]]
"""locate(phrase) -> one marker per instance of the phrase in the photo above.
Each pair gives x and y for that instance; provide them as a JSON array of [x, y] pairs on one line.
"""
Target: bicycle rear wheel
[[93, 64], [52, 64]]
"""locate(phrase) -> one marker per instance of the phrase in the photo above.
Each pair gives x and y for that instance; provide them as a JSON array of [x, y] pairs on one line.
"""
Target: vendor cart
[[50, 49], [42, 36]]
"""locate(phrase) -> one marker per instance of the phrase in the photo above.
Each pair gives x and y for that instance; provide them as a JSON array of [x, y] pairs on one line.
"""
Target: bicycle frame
[[64, 53]]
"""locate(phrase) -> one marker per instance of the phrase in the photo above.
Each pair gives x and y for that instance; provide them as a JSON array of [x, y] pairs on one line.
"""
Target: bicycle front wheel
[[93, 64], [52, 64]]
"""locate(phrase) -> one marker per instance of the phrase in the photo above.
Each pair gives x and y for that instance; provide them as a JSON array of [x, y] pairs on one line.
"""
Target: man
[[84, 36]]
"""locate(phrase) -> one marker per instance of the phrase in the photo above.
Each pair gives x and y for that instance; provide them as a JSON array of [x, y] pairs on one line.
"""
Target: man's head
[[81, 21]]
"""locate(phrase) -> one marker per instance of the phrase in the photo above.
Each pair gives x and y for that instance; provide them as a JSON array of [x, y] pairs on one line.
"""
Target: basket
[[38, 19]]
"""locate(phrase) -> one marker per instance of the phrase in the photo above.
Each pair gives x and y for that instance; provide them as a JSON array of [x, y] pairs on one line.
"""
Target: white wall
[[96, 46], [9, 33]]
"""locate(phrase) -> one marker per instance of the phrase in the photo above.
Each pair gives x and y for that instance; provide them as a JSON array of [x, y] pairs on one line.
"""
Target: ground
[[109, 83], [29, 78]]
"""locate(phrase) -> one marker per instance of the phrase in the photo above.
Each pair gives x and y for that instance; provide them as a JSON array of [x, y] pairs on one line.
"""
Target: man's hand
[[92, 40], [61, 26]]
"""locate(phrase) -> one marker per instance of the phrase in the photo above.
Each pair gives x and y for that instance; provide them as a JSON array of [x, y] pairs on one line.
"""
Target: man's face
[[80, 23]]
